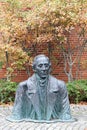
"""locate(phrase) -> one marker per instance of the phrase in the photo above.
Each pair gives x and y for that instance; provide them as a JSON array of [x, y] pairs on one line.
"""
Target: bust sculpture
[[42, 97]]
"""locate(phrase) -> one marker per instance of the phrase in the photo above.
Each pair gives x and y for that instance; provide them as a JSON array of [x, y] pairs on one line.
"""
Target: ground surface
[[78, 111]]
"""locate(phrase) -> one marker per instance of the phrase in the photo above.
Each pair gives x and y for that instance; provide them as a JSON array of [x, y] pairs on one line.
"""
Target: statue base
[[40, 121]]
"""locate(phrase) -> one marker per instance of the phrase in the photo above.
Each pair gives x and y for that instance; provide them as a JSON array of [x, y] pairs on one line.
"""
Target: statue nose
[[43, 68]]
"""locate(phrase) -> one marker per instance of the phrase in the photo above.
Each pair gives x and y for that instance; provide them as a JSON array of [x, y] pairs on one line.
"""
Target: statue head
[[41, 65]]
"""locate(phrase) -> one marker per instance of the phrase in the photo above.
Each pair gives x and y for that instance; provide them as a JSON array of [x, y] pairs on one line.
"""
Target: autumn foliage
[[27, 22]]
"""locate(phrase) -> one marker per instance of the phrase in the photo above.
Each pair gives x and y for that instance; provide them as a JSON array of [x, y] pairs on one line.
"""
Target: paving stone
[[70, 126], [78, 111], [28, 126]]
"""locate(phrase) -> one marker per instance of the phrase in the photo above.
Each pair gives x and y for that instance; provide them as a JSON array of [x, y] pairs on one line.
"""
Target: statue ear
[[50, 69], [33, 67]]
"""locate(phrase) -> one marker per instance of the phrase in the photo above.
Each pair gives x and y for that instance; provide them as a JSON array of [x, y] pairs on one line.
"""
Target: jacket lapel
[[52, 93], [33, 95]]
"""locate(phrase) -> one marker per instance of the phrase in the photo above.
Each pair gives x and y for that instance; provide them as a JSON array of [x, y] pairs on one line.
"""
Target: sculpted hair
[[36, 58]]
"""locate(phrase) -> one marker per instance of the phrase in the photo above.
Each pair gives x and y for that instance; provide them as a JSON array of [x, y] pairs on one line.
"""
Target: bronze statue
[[42, 97]]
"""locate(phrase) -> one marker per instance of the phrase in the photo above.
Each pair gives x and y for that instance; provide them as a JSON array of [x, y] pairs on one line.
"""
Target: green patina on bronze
[[41, 98]]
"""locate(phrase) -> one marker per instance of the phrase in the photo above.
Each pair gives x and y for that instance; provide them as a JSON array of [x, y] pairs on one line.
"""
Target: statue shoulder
[[22, 86], [31, 81], [62, 86], [61, 82], [23, 83], [57, 81]]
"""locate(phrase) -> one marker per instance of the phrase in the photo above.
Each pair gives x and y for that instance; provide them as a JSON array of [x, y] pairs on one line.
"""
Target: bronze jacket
[[27, 103]]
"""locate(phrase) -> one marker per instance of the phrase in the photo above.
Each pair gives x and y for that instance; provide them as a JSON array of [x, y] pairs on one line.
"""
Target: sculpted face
[[42, 67]]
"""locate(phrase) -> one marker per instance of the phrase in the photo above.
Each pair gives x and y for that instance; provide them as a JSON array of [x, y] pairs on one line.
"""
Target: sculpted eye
[[40, 65], [46, 65]]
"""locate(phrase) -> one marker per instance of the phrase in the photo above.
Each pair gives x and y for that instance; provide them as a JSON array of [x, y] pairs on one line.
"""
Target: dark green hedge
[[77, 91], [7, 91]]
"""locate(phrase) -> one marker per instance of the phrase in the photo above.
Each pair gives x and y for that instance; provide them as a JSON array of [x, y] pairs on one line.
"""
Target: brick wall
[[57, 71], [57, 62]]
